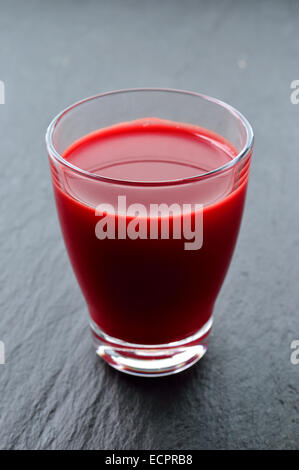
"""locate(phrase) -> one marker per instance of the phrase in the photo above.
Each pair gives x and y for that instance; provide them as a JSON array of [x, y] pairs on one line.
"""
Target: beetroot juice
[[150, 291], [150, 187]]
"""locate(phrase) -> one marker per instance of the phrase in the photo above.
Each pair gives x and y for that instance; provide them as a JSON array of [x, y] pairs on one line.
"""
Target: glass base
[[151, 360]]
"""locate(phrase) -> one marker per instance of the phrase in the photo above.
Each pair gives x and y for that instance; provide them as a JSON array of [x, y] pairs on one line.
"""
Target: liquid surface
[[149, 150]]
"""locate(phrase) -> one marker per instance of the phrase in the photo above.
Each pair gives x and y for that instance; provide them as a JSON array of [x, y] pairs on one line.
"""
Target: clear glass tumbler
[[150, 187]]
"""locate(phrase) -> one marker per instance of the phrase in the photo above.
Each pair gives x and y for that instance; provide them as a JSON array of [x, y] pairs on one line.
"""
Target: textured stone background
[[54, 392]]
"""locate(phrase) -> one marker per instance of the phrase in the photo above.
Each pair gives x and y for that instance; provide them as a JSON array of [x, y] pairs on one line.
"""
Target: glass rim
[[185, 180]]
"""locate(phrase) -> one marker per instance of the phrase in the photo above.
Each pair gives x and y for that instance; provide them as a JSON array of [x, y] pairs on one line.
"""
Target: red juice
[[150, 291]]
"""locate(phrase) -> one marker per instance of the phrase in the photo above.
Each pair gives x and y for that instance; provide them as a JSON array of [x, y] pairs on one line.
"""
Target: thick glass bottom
[[151, 360]]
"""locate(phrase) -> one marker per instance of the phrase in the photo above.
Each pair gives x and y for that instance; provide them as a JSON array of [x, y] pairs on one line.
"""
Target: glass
[[150, 296]]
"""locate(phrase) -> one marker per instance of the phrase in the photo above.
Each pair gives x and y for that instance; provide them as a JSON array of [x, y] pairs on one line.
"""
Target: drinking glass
[[150, 299]]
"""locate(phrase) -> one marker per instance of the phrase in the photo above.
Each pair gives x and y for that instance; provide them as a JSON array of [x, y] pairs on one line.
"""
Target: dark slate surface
[[54, 392]]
